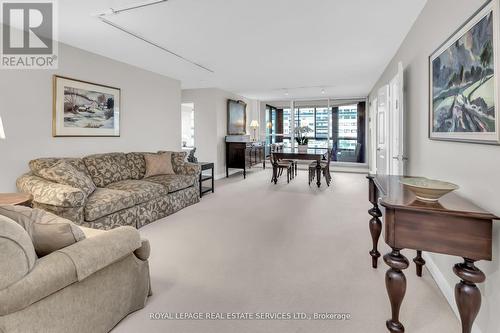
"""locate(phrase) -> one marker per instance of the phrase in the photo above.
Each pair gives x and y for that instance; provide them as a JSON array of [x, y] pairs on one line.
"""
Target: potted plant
[[301, 138]]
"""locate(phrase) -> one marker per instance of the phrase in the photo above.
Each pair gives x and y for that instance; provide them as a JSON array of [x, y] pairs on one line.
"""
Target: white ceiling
[[256, 48]]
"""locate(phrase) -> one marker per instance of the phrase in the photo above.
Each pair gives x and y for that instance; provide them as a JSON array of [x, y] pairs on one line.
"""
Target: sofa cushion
[[107, 168], [142, 191], [17, 251], [136, 165], [105, 201], [174, 183], [158, 164], [178, 158], [64, 173], [43, 163], [48, 232]]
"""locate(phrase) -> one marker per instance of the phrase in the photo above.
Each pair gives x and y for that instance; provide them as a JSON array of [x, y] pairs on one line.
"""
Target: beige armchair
[[88, 286]]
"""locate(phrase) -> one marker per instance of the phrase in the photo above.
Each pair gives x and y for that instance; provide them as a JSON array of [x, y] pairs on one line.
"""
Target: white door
[[382, 133], [373, 135], [396, 151]]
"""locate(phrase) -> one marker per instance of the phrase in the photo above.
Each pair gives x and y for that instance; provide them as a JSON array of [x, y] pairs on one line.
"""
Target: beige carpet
[[257, 247]]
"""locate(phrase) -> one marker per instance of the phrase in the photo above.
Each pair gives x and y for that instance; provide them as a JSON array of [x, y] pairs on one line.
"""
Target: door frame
[[397, 140]]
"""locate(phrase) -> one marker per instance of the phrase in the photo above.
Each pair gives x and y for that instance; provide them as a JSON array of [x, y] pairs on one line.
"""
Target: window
[[347, 127], [339, 127], [287, 127], [187, 110], [318, 119], [322, 123], [305, 117]]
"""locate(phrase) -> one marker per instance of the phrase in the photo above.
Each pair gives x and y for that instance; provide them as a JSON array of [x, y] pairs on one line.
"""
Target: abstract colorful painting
[[463, 84]]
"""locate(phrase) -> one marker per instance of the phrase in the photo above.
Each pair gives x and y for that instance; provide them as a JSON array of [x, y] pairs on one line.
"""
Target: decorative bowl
[[428, 189]]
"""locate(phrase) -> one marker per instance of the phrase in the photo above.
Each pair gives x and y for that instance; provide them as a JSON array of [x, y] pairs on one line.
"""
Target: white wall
[[473, 166], [150, 112], [210, 123]]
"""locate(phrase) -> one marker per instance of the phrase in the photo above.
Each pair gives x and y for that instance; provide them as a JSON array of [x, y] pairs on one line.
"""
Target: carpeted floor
[[256, 247]]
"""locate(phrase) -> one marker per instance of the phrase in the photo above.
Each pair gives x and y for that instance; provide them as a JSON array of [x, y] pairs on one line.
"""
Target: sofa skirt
[[94, 305], [145, 213]]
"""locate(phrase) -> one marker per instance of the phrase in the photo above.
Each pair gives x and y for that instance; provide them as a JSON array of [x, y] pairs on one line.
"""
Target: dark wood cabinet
[[244, 155]]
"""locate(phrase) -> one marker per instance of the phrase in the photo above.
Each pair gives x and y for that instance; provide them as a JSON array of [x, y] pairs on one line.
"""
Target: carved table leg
[[375, 230], [318, 173], [419, 262], [395, 282], [467, 294]]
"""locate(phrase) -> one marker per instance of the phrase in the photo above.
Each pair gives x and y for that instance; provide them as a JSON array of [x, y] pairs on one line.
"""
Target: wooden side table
[[19, 199], [452, 226], [206, 177]]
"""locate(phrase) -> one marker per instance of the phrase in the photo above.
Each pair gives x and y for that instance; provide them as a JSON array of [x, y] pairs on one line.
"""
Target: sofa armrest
[[144, 251], [50, 193], [93, 254], [187, 168], [141, 253], [50, 274]]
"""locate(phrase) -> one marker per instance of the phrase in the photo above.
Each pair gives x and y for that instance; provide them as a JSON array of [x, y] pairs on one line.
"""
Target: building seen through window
[[348, 127]]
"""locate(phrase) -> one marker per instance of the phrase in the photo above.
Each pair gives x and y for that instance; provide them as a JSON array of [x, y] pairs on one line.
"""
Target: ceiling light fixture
[[112, 11], [323, 91], [286, 93]]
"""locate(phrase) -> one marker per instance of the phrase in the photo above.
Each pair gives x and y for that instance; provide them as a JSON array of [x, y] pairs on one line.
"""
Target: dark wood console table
[[452, 226], [244, 155]]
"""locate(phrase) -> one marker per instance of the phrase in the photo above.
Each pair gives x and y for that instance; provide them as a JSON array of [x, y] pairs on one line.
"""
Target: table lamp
[[2, 132], [254, 125]]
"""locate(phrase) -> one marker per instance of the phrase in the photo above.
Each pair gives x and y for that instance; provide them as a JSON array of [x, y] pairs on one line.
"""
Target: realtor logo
[[28, 34]]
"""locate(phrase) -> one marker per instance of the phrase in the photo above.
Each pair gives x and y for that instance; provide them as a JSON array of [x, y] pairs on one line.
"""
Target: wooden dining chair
[[325, 168], [294, 167], [281, 165]]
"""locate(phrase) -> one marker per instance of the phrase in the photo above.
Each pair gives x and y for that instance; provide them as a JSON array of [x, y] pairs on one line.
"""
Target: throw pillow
[[64, 173], [48, 232], [158, 164]]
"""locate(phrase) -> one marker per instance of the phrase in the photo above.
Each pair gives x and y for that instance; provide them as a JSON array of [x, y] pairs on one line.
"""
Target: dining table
[[311, 154]]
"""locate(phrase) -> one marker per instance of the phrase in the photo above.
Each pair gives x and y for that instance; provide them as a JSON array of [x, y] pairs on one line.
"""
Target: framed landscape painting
[[464, 83], [85, 109]]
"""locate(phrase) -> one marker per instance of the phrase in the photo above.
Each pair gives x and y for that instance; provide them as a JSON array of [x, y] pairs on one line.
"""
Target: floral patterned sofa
[[123, 197]]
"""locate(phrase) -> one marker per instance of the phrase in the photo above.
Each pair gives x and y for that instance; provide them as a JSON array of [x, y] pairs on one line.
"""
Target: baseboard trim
[[231, 172], [447, 290]]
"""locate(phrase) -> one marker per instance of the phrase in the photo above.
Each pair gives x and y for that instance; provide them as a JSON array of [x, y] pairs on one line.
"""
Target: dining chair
[[294, 167], [281, 165], [325, 168]]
